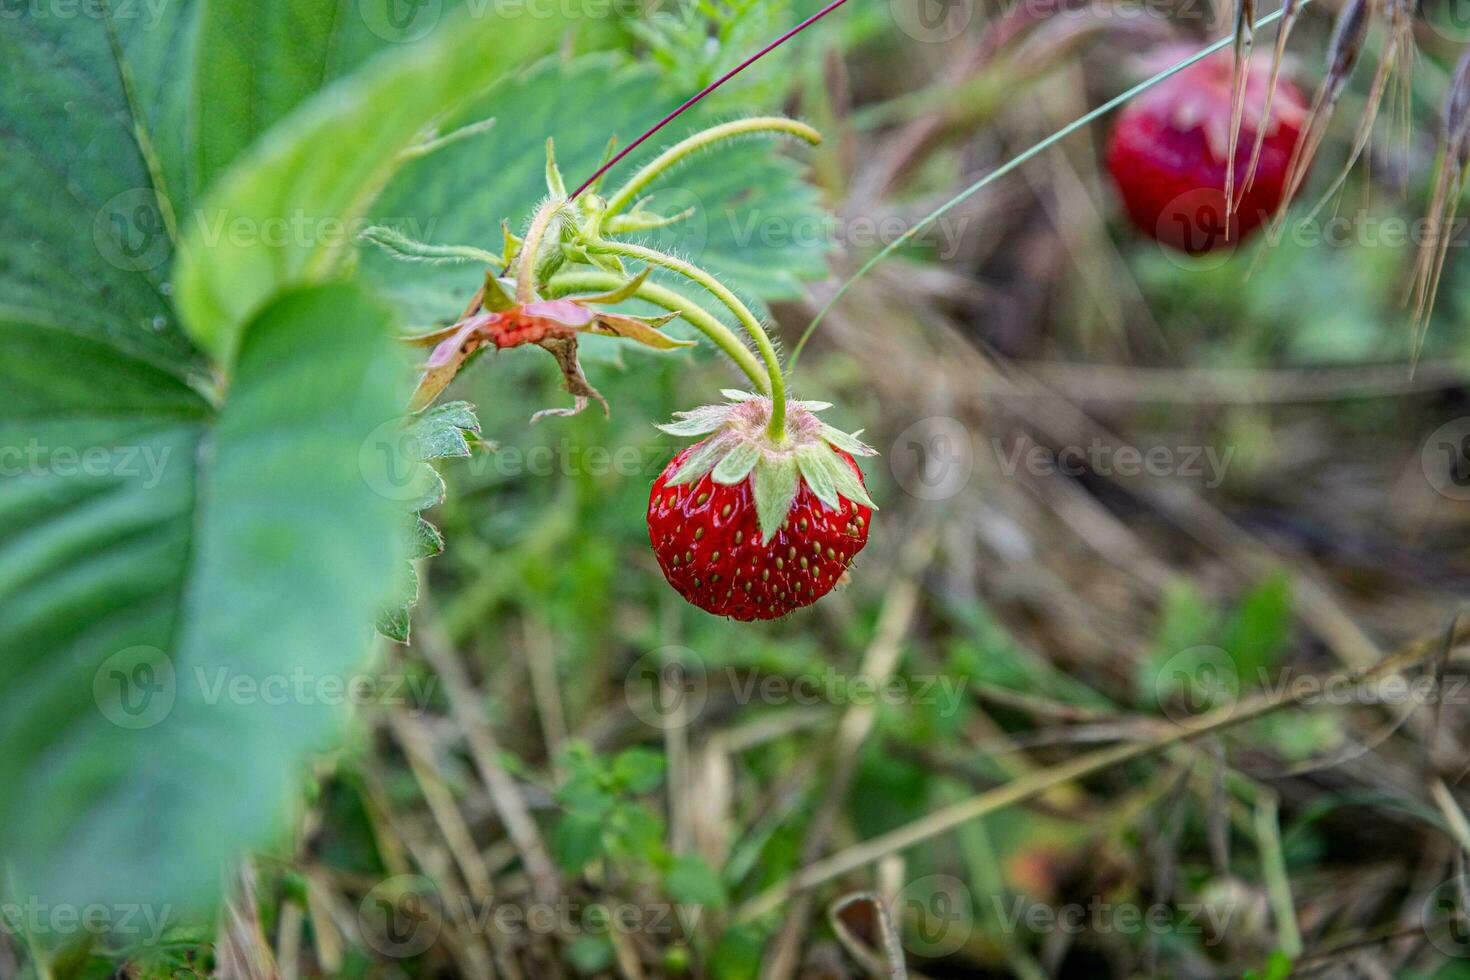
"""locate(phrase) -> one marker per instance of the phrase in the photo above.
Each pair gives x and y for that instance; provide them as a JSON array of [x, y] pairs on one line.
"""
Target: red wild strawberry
[[746, 528], [1169, 150]]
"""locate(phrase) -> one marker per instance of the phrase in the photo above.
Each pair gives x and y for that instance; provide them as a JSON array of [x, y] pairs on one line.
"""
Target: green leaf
[[577, 840], [264, 60], [776, 484], [590, 953], [117, 119], [737, 956], [697, 422], [691, 882], [638, 770], [439, 433], [1258, 632], [87, 224], [394, 623], [199, 547], [750, 196], [427, 541], [283, 212]]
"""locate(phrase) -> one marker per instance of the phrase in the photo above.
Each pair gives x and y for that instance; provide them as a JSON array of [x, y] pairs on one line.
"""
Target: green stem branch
[[748, 320], [668, 158], [721, 336]]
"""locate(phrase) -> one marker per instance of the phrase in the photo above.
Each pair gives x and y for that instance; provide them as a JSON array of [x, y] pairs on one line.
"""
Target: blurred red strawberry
[[1169, 150]]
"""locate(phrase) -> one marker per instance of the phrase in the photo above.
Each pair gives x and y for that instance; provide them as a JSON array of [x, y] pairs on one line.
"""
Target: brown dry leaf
[[643, 330], [564, 349]]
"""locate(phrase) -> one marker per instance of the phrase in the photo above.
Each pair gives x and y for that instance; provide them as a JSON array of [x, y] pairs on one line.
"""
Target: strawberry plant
[[265, 272], [771, 479]]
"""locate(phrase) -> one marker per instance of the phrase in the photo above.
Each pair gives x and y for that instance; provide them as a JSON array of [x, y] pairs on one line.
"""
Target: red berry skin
[[708, 543], [1168, 152]]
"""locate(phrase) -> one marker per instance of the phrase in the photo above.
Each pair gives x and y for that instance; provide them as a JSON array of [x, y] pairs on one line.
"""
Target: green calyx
[[738, 447]]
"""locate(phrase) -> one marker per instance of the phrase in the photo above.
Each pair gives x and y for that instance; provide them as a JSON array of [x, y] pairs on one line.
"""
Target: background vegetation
[[1122, 492]]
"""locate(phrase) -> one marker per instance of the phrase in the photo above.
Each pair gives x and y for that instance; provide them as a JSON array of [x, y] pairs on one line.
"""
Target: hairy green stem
[[1011, 164], [668, 158], [748, 320], [531, 249], [721, 336]]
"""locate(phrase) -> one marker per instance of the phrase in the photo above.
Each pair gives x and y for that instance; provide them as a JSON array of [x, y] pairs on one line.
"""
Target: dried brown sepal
[[546, 323], [1342, 58], [1449, 185], [640, 329], [1290, 11], [452, 348], [1400, 40], [1401, 28], [564, 349], [1245, 42]]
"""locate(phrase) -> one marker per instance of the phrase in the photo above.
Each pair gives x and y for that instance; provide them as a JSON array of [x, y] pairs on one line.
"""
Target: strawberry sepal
[[738, 448]]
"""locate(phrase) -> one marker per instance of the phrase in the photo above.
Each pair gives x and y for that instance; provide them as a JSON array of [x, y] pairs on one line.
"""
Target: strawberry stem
[[748, 320], [701, 319], [531, 249], [696, 97], [668, 158]]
